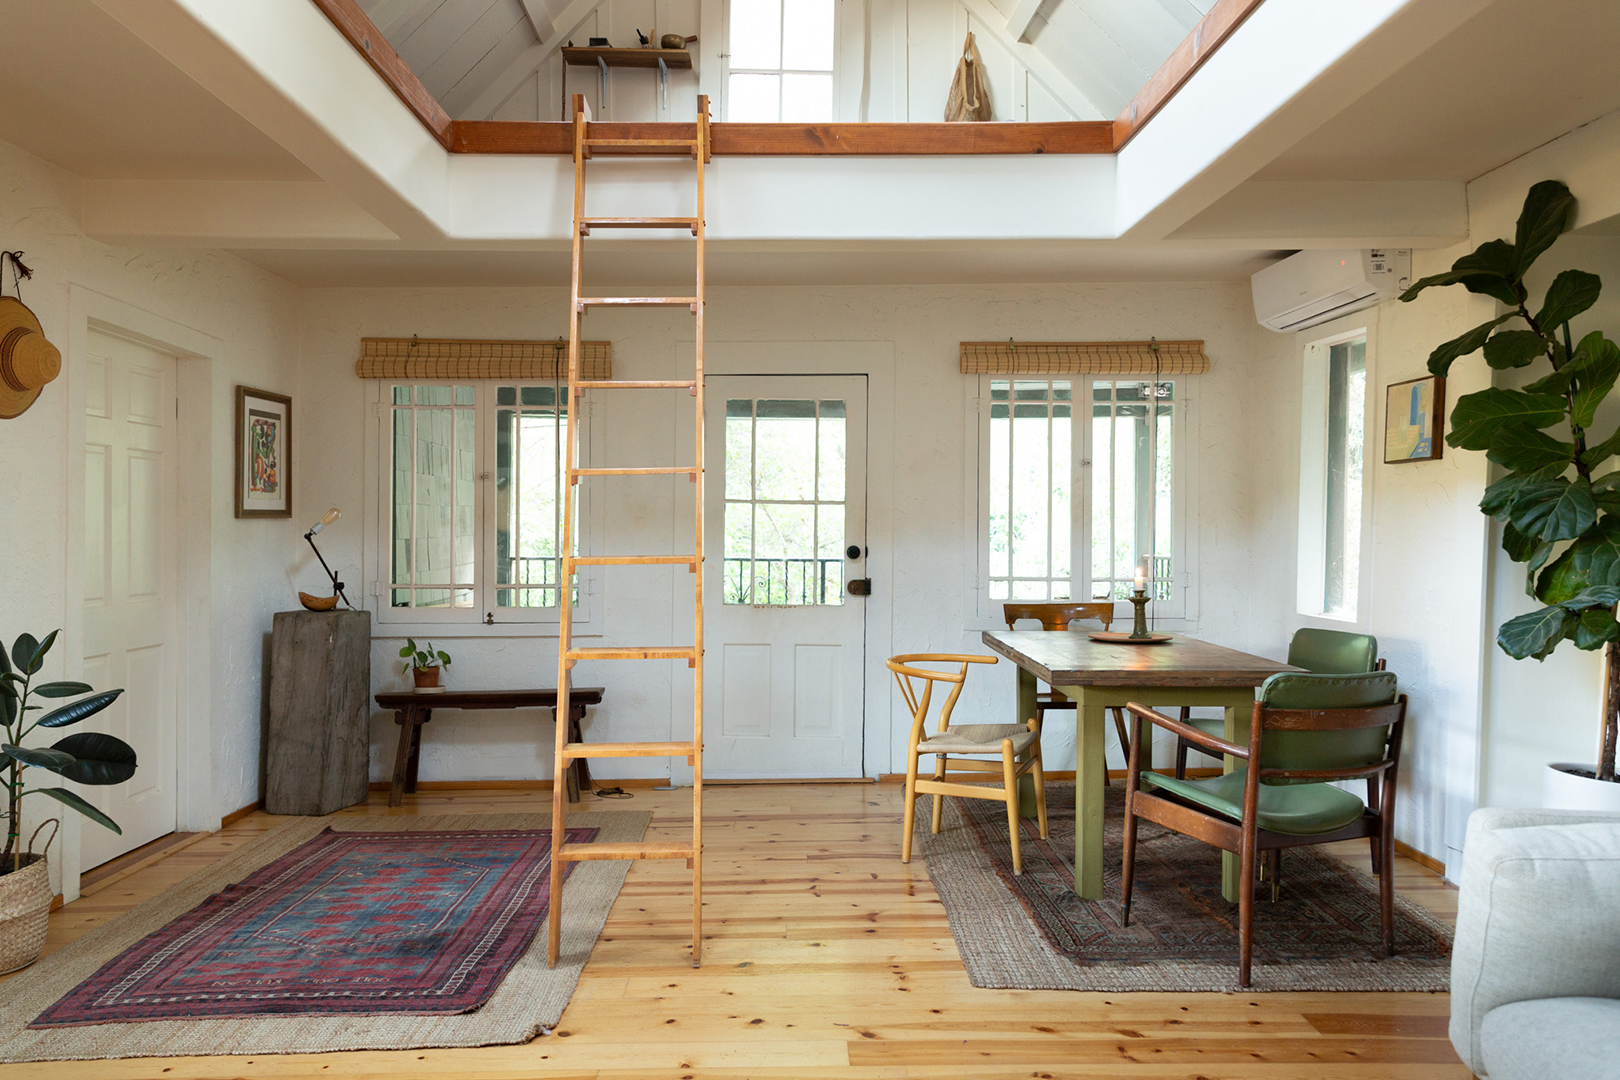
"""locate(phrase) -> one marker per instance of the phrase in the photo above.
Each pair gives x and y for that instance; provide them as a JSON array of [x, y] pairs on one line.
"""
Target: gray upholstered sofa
[[1535, 978]]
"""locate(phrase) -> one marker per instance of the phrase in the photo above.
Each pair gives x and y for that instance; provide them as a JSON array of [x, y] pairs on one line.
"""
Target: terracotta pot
[[25, 908], [425, 676]]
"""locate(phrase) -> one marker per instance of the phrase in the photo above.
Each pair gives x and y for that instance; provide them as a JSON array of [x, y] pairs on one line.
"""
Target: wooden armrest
[[1186, 731]]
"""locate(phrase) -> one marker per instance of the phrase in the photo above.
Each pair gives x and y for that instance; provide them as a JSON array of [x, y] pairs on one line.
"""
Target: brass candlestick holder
[[1139, 630]]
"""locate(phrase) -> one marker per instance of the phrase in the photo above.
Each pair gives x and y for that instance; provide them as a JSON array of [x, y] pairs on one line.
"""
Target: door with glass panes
[[785, 464]]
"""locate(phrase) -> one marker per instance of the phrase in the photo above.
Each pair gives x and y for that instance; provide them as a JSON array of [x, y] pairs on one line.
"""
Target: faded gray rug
[[531, 997], [1032, 932]]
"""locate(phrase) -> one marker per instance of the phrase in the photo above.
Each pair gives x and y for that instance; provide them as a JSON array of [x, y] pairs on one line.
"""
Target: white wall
[[247, 319], [925, 604]]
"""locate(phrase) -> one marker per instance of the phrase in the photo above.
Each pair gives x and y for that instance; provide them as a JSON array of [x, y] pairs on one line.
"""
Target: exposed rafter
[[1036, 61], [1021, 19], [540, 19]]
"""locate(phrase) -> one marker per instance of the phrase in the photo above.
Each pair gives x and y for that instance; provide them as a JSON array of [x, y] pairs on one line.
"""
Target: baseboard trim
[[1068, 774], [237, 815], [1428, 862], [519, 785]]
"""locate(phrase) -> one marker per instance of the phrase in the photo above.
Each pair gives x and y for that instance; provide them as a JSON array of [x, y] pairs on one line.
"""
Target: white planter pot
[[1563, 790]]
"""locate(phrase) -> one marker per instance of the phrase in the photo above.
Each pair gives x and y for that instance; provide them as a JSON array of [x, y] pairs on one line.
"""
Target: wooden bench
[[412, 710]]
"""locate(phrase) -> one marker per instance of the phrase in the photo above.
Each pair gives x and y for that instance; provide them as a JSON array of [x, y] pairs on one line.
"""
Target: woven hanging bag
[[25, 907], [970, 96]]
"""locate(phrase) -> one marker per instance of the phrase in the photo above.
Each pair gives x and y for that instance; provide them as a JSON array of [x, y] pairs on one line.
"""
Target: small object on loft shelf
[[263, 454], [643, 38], [676, 41], [1413, 412], [318, 603], [27, 359], [600, 43]]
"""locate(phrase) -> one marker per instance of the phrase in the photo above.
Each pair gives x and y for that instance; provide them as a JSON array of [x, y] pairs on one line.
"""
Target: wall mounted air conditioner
[[1315, 286]]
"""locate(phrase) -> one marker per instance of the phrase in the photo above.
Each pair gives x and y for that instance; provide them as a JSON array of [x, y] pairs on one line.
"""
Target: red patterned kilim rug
[[349, 922]]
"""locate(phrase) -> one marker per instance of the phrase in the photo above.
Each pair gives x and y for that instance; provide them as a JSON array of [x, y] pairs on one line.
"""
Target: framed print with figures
[[263, 453]]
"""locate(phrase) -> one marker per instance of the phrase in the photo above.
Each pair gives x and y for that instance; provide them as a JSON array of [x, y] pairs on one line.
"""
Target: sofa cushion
[[1538, 915], [1572, 1038]]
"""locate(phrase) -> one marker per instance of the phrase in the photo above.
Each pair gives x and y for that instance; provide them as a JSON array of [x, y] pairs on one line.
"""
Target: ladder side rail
[[565, 598], [702, 157]]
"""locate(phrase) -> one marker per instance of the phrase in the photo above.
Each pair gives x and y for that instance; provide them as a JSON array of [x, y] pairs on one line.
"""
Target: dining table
[[1098, 675]]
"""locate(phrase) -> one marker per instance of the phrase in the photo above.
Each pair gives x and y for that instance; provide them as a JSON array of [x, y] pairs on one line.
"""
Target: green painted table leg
[[1088, 800], [1237, 731], [1025, 713]]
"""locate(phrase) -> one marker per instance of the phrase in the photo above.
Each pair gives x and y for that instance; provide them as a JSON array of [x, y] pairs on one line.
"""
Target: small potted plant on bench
[[425, 665]]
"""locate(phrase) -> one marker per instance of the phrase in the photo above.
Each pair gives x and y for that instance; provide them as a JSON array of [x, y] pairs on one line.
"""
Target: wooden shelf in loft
[[591, 56]]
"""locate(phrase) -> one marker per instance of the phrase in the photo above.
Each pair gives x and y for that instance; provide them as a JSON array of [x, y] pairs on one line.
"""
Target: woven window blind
[[1083, 358], [419, 359]]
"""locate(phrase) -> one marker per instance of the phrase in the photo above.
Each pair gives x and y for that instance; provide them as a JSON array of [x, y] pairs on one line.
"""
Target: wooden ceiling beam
[[802, 140], [1196, 48], [368, 41]]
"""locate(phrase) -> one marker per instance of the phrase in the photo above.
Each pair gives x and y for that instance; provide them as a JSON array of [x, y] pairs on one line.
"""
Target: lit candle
[[1141, 579]]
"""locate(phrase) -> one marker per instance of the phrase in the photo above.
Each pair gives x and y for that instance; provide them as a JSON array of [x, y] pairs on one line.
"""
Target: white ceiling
[[621, 263], [82, 92], [1519, 74]]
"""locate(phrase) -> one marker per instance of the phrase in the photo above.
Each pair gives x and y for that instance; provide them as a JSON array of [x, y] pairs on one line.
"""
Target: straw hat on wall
[[27, 360]]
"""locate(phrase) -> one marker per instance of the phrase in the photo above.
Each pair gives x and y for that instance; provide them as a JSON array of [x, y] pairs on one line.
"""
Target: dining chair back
[[1017, 746], [1057, 617], [1306, 732], [1332, 652]]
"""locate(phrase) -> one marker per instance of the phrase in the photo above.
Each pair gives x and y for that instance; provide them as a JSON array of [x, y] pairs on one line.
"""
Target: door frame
[[194, 351], [875, 360]]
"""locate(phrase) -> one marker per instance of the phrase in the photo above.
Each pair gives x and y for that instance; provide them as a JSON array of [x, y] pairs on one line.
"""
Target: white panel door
[[129, 584], [785, 642]]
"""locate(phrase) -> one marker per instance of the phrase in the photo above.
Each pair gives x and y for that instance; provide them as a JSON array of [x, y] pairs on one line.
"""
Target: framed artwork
[[1414, 420], [263, 454]]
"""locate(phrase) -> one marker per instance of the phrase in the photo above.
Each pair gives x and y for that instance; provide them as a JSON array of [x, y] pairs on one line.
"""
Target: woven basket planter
[[25, 910]]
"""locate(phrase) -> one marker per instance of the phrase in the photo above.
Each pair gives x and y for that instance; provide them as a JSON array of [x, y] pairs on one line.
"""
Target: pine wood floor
[[825, 958]]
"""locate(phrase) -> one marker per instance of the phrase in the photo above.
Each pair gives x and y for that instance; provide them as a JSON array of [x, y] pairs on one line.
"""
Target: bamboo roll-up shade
[[1083, 358], [417, 359]]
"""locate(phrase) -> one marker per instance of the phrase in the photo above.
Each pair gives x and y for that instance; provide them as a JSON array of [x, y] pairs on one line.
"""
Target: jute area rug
[[530, 999], [1032, 932]]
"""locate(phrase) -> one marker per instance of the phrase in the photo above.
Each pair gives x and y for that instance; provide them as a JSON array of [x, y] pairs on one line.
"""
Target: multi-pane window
[[784, 513], [460, 549], [1031, 421], [1132, 453], [1346, 435], [1075, 503], [780, 61]]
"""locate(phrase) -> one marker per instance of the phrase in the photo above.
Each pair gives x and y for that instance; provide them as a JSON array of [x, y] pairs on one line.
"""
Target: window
[[1332, 445], [459, 550], [1073, 504], [780, 61], [784, 474]]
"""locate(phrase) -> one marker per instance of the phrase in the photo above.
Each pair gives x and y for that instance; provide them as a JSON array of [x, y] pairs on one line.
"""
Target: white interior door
[[130, 629], [784, 640]]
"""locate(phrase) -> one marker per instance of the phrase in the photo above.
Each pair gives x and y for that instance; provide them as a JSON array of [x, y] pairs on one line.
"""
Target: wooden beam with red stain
[[800, 140], [368, 41], [1196, 48]]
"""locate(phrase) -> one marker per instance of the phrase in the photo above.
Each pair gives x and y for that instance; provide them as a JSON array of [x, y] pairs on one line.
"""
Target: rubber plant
[[1558, 505], [89, 757]]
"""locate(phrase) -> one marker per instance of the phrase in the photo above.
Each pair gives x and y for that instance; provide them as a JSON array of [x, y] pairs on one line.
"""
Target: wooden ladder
[[585, 147]]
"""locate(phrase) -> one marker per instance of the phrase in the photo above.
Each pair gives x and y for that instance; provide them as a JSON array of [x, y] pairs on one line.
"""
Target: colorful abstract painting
[[1412, 420], [264, 457]]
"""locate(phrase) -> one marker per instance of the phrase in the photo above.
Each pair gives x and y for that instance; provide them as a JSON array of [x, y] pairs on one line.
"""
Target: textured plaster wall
[[253, 317], [926, 606]]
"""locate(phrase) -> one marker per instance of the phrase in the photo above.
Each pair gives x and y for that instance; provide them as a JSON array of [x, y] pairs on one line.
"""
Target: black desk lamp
[[337, 586]]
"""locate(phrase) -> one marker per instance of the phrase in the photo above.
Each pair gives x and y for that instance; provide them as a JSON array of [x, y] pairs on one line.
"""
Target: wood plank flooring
[[825, 957]]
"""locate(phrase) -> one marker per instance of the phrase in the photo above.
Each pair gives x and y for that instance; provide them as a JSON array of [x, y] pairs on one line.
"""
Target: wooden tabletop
[[489, 699], [1070, 658]]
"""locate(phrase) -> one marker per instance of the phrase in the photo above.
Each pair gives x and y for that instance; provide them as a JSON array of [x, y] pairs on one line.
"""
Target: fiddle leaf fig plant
[[1559, 507], [86, 758]]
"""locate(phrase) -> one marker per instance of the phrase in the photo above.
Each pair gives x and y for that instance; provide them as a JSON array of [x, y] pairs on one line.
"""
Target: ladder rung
[[637, 301], [628, 560], [659, 470], [643, 146], [656, 652], [629, 749], [635, 384], [586, 224], [636, 850]]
